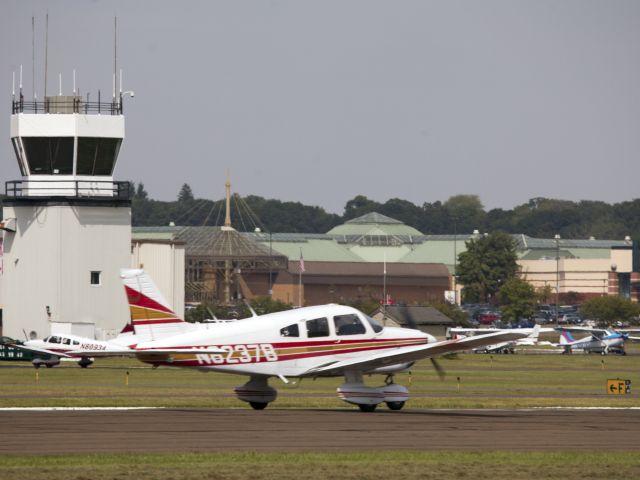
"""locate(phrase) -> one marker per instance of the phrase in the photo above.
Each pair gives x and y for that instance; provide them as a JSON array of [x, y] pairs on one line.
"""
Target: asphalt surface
[[212, 430]]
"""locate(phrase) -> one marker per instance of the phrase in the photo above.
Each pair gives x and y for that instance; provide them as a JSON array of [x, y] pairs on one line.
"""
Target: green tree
[[465, 213], [544, 294], [185, 194], [486, 265], [517, 298], [140, 192], [609, 309]]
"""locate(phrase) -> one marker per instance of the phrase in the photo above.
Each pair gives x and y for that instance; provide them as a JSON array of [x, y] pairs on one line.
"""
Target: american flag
[[301, 263]]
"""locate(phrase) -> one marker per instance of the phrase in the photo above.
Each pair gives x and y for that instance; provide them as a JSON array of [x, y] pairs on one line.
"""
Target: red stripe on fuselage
[[362, 346]]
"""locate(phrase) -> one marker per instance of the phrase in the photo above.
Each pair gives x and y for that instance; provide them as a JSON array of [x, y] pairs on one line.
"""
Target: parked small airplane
[[51, 349], [531, 338], [325, 340], [599, 340]]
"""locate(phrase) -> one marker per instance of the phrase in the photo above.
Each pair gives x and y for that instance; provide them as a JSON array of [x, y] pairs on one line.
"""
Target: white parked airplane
[[598, 340], [54, 347], [530, 339], [325, 340]]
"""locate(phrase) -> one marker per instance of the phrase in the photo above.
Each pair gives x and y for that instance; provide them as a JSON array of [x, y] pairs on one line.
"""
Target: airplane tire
[[365, 407], [258, 405], [395, 405]]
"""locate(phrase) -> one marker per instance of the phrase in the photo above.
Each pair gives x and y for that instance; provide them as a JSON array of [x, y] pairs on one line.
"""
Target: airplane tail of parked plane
[[151, 316], [566, 338], [535, 333]]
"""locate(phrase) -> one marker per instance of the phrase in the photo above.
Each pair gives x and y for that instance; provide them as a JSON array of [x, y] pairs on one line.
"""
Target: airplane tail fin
[[566, 338], [151, 315], [535, 333]]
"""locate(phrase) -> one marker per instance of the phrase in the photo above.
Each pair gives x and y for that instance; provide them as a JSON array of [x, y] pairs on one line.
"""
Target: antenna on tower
[[33, 55], [115, 55], [46, 54], [60, 84], [74, 82]]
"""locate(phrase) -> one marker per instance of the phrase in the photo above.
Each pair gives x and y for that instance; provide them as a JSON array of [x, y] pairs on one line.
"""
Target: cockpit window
[[348, 325], [66, 341], [53, 339], [45, 340], [374, 324], [290, 331], [318, 327]]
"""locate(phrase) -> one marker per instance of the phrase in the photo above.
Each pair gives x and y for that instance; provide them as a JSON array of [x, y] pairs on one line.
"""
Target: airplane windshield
[[374, 324], [348, 324]]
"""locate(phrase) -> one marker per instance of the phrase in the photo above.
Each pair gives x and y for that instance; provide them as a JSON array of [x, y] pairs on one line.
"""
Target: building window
[[49, 155], [95, 278], [97, 156]]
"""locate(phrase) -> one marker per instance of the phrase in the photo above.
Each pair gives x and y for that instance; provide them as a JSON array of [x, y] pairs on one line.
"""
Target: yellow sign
[[618, 387]]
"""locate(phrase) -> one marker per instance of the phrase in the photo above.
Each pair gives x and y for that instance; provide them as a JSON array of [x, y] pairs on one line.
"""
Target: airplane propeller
[[439, 370], [412, 324]]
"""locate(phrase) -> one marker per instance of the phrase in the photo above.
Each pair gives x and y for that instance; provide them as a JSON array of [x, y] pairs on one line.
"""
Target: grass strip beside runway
[[320, 466], [498, 381]]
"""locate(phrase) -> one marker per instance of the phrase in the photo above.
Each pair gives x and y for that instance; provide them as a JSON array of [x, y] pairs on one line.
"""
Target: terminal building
[[372, 255]]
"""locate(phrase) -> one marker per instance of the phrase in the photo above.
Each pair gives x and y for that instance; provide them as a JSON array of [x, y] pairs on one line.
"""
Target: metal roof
[[374, 218]]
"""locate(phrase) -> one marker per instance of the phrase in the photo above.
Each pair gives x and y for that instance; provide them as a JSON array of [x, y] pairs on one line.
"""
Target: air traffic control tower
[[66, 224]]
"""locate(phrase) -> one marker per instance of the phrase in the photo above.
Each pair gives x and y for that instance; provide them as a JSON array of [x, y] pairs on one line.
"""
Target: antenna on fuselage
[[253, 312]]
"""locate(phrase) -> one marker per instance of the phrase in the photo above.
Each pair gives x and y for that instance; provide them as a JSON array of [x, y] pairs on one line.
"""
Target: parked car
[[569, 319]]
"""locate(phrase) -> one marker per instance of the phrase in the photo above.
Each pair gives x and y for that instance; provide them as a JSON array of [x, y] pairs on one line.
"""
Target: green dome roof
[[374, 224]]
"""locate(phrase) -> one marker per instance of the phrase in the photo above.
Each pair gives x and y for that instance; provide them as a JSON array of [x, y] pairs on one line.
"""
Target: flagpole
[[300, 288], [300, 270], [384, 288]]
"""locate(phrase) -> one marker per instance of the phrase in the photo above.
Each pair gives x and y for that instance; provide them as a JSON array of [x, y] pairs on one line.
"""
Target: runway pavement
[[214, 430]]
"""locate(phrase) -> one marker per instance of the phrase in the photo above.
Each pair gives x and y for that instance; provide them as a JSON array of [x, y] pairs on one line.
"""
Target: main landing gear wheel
[[258, 405], [365, 407], [395, 405]]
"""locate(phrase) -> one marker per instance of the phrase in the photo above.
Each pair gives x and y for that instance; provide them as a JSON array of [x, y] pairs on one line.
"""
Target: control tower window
[[18, 149], [97, 156], [49, 155]]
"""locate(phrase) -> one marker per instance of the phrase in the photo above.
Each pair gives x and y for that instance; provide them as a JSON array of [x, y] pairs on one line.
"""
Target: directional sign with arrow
[[618, 387]]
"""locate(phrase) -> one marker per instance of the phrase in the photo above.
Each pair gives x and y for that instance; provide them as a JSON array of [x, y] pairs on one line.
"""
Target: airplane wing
[[413, 353], [42, 351], [596, 333]]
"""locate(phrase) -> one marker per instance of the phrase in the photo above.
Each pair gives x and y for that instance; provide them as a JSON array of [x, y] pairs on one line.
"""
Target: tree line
[[462, 214]]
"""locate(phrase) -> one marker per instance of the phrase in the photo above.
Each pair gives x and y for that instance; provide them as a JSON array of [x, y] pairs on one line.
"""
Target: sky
[[320, 101]]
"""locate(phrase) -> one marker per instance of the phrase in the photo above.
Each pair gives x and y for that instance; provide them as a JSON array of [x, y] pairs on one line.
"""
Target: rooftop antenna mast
[[115, 54], [33, 55], [227, 216], [46, 54]]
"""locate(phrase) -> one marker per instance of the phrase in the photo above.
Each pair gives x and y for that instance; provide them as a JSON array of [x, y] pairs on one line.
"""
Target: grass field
[[320, 466], [498, 381]]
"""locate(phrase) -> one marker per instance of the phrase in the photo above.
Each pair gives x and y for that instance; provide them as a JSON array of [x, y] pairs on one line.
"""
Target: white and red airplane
[[324, 340]]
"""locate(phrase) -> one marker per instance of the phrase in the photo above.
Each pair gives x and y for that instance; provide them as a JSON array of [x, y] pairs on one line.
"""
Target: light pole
[[270, 266], [557, 238], [259, 232], [455, 261]]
